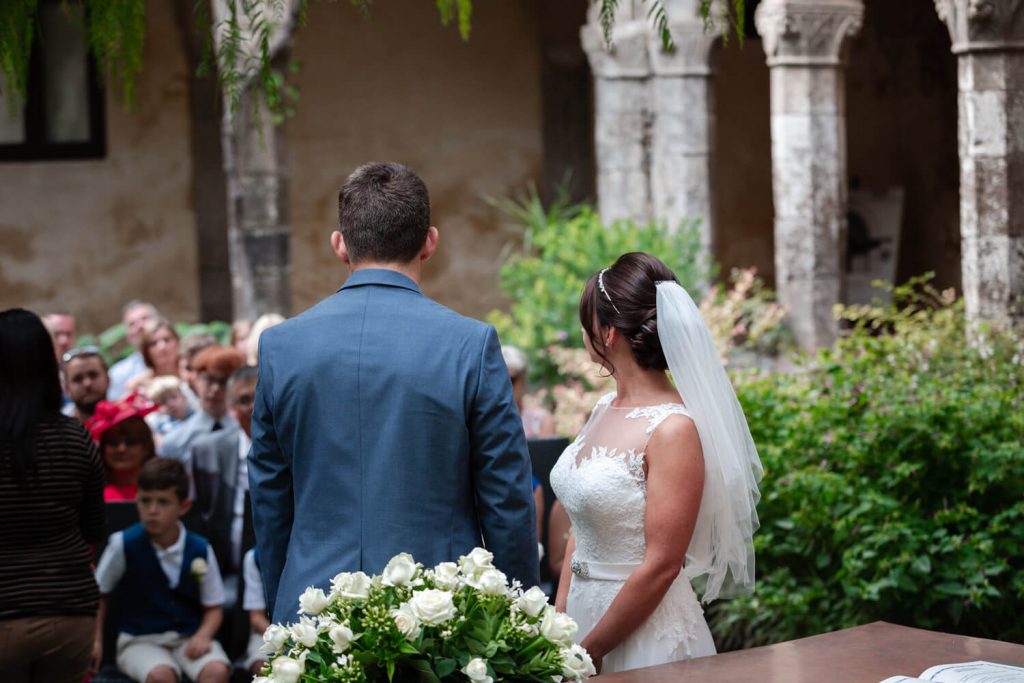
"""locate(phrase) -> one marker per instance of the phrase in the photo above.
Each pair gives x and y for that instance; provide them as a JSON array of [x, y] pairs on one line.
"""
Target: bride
[[661, 484]]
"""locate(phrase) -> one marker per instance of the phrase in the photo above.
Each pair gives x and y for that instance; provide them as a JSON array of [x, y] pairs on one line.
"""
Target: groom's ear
[[430, 244], [338, 245]]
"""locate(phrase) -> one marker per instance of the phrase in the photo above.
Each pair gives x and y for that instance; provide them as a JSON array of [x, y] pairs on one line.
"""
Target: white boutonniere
[[198, 569]]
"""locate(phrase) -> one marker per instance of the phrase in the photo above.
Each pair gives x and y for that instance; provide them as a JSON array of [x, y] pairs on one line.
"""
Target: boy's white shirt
[[252, 597], [112, 566]]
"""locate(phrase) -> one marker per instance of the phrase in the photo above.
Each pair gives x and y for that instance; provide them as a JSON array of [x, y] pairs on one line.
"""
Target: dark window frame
[[35, 146]]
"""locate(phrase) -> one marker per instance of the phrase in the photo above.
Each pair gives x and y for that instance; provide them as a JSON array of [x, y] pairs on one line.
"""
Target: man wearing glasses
[[86, 381], [213, 365], [221, 475]]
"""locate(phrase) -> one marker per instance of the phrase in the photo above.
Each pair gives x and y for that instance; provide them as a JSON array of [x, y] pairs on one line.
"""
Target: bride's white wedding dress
[[601, 482]]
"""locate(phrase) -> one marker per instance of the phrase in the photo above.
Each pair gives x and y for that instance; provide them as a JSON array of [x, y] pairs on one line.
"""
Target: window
[[62, 116]]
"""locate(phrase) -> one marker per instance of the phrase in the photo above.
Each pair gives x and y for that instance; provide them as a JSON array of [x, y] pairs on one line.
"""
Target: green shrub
[[894, 480], [562, 246]]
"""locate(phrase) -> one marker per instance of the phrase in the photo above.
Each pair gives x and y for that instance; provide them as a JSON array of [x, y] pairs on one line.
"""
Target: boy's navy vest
[[148, 603]]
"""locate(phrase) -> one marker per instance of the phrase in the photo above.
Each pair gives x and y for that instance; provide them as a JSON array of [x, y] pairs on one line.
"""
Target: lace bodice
[[601, 480]]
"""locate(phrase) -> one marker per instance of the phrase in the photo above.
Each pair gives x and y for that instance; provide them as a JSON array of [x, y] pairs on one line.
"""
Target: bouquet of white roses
[[455, 622]]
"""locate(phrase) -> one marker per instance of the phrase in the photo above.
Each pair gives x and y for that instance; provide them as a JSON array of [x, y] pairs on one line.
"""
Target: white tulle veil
[[720, 558]]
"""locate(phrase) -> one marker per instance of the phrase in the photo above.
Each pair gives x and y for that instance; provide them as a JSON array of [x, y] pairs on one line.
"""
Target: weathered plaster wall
[[87, 236], [466, 116], [742, 171], [901, 99]]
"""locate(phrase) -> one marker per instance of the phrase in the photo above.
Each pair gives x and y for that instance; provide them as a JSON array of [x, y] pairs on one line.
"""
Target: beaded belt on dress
[[604, 571]]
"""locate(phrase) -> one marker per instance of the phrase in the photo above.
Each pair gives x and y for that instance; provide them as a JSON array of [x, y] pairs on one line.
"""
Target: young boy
[[170, 587]]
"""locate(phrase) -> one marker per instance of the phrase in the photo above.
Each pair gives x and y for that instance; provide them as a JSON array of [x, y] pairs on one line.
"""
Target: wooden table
[[863, 654]]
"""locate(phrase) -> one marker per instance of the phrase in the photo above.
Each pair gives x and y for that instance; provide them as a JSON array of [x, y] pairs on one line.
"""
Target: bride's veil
[[720, 558]]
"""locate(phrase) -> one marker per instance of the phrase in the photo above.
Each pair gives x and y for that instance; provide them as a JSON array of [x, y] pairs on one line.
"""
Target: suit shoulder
[[458, 322], [216, 440]]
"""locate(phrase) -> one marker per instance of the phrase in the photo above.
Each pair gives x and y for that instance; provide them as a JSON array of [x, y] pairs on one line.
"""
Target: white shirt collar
[[173, 550], [244, 443]]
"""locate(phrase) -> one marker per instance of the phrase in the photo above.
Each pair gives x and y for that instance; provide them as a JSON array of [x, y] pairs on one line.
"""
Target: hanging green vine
[[243, 53]]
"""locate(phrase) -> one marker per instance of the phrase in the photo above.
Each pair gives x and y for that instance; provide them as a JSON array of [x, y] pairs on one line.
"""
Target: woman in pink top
[[126, 442]]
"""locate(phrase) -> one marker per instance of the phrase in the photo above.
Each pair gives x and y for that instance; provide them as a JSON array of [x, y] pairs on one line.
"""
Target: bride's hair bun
[[624, 296]]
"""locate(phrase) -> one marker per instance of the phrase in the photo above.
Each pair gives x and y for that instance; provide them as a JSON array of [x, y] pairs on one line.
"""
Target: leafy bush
[[894, 473], [563, 246]]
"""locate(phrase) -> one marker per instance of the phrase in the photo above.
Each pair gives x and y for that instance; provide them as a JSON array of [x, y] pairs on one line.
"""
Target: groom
[[383, 421]]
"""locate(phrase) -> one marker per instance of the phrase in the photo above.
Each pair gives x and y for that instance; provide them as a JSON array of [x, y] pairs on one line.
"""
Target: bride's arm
[[566, 576], [675, 480]]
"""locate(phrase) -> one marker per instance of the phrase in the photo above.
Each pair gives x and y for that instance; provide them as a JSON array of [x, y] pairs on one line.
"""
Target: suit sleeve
[[270, 484], [501, 470], [204, 479]]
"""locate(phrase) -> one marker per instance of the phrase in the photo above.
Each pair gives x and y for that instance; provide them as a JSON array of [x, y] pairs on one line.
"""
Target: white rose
[[557, 627], [400, 570], [476, 671], [532, 601], [477, 560], [406, 622], [432, 607], [341, 635], [198, 568], [286, 670], [351, 585], [313, 601], [304, 633], [274, 639], [445, 574], [577, 664], [261, 679], [492, 582]]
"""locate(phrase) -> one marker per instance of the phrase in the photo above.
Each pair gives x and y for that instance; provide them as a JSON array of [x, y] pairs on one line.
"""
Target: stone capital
[[807, 32], [692, 53], [983, 25], [626, 57]]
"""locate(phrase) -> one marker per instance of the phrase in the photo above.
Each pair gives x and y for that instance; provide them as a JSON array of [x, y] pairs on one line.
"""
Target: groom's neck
[[412, 270]]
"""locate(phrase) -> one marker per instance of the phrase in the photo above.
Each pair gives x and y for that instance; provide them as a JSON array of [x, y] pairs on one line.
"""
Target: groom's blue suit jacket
[[384, 423]]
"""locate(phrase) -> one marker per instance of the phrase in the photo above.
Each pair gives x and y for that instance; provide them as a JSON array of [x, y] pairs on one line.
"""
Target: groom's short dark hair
[[384, 213]]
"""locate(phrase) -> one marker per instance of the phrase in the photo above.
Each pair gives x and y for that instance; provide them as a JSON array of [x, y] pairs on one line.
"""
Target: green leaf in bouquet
[[445, 666], [423, 668], [391, 669]]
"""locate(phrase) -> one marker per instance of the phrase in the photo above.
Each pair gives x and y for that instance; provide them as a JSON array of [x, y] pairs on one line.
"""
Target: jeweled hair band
[[600, 284]]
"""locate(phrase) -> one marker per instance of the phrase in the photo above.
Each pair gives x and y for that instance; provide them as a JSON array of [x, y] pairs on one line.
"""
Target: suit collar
[[379, 276]]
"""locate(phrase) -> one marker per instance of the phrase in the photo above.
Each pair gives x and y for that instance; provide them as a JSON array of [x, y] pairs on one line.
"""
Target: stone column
[[259, 232], [682, 132], [988, 38], [622, 113], [256, 166], [804, 41]]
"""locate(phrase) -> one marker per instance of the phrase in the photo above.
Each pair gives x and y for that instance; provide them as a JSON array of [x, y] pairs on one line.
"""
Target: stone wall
[[86, 236]]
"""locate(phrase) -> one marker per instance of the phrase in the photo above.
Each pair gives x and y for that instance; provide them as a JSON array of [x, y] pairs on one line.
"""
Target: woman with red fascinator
[[125, 442]]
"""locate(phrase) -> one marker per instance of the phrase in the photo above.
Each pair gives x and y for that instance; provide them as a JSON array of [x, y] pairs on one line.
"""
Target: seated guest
[[61, 327], [191, 344], [173, 408], [537, 422], [262, 324], [255, 604], [221, 475], [86, 381], [213, 365], [240, 330], [171, 589], [160, 343], [136, 315], [126, 443]]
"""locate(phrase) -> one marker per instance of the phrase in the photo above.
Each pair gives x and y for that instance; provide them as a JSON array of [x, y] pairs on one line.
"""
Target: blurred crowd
[[154, 449]]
